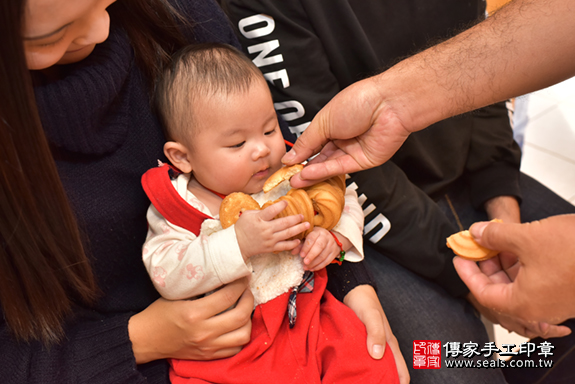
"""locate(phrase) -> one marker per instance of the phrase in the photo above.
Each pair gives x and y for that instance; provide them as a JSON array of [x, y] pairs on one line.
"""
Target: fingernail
[[288, 156], [477, 229], [377, 351]]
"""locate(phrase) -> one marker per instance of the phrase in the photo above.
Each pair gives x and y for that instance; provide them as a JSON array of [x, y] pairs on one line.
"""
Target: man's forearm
[[526, 46]]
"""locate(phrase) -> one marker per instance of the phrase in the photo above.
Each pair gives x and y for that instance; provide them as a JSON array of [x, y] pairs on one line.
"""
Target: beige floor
[[548, 150]]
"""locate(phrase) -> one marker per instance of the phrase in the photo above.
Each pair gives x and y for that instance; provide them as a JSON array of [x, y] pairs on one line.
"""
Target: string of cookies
[[320, 204]]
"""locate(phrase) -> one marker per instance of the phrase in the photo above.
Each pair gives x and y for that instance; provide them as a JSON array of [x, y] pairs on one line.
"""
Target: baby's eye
[[239, 145], [270, 132]]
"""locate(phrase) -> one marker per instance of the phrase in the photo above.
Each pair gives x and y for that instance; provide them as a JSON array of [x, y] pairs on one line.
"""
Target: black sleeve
[[345, 277], [492, 167]]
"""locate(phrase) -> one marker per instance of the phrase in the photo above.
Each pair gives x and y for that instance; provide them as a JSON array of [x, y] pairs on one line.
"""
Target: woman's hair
[[44, 270], [152, 26], [196, 72]]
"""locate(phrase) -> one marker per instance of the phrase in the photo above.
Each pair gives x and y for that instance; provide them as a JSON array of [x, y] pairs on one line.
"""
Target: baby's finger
[[311, 256], [286, 245], [291, 231], [297, 249], [309, 242], [321, 260], [272, 211], [279, 225]]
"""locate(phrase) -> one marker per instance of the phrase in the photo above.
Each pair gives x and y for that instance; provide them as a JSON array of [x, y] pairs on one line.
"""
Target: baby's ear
[[178, 155]]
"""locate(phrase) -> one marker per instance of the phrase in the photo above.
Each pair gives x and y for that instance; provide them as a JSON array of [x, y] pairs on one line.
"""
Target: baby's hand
[[258, 232], [319, 249]]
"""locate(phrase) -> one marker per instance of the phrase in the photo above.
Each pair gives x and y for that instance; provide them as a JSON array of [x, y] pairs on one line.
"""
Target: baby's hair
[[198, 71]]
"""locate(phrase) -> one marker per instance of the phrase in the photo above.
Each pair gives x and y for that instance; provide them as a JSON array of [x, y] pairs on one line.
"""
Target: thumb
[[498, 236], [310, 142], [375, 334]]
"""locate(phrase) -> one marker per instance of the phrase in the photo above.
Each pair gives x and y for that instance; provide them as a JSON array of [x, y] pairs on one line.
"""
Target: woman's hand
[[364, 302], [202, 329]]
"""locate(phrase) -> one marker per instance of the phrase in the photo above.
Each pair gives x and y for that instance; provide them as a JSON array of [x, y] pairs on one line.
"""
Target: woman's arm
[[105, 348]]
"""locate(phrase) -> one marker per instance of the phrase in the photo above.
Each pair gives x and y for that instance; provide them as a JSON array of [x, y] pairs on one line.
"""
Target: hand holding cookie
[[464, 246], [259, 231]]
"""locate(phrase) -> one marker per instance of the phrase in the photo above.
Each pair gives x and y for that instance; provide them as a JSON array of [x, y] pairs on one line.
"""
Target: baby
[[224, 137]]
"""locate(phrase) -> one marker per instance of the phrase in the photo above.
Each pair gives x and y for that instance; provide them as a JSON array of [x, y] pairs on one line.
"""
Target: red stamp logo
[[426, 354]]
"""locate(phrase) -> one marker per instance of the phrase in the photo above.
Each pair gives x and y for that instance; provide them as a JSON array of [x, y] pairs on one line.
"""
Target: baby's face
[[238, 144]]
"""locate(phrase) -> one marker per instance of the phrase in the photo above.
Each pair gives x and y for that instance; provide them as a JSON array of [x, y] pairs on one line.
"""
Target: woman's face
[[63, 31]]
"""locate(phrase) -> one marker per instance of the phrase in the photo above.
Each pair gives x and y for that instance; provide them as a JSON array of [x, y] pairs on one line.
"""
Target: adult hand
[[364, 302], [202, 329], [502, 269], [541, 286], [529, 329], [356, 130]]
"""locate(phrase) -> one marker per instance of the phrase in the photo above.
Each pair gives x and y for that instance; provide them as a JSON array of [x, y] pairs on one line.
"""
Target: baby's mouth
[[263, 173]]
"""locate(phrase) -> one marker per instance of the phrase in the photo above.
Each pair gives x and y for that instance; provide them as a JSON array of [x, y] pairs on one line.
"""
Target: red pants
[[326, 345]]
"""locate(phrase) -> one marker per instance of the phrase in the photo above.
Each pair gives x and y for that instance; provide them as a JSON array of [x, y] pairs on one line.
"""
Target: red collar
[[215, 193], [162, 194]]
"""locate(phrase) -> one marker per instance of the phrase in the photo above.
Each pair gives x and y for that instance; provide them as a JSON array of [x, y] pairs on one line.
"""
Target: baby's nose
[[261, 150]]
